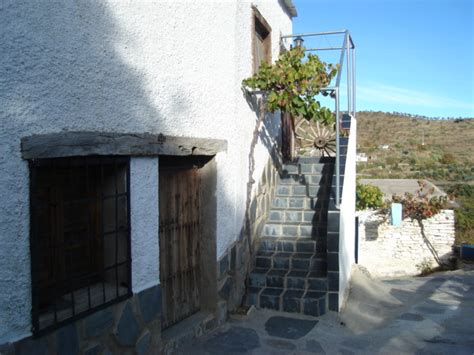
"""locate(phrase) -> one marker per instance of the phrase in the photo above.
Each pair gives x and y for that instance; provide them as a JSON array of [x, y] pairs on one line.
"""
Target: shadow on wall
[[262, 131], [61, 69]]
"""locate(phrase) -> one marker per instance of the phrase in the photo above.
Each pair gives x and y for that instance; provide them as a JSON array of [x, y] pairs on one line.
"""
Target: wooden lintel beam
[[56, 145]]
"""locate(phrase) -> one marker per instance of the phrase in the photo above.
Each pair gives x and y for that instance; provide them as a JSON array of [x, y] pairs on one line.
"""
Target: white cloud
[[380, 93]]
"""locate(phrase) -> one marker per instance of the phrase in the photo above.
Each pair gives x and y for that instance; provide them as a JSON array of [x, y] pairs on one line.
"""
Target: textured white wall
[[144, 208], [173, 67], [347, 220]]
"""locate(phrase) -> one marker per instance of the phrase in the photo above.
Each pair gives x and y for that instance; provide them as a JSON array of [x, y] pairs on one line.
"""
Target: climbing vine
[[292, 83]]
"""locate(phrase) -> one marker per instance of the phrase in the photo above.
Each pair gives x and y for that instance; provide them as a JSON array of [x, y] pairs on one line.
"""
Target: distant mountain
[[401, 145]]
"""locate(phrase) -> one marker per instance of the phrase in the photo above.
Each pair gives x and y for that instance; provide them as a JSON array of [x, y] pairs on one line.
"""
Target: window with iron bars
[[80, 237]]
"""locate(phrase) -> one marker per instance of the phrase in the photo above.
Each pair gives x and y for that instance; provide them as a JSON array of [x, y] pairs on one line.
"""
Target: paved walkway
[[429, 315]]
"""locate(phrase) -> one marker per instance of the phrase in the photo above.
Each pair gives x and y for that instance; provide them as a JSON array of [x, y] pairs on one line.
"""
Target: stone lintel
[[65, 144]]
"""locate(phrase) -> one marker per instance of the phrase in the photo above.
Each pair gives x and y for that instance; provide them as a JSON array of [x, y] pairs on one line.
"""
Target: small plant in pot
[[291, 85]]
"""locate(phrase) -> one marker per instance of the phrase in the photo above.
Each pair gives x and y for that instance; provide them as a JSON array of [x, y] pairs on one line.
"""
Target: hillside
[[440, 150]]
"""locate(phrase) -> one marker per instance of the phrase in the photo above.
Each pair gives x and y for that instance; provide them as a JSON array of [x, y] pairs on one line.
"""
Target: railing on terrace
[[347, 56]]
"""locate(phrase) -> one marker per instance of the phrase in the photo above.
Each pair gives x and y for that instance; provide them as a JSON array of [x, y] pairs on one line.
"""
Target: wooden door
[[179, 243]]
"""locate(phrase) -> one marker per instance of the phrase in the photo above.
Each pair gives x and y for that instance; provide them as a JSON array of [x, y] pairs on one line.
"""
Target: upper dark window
[[262, 45], [80, 236]]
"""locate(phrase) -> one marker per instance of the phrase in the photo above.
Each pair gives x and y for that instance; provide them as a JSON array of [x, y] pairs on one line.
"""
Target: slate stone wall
[[129, 327], [234, 265], [387, 250]]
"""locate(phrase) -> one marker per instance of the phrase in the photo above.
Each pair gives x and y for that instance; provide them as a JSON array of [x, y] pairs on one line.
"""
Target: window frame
[[259, 25], [35, 240]]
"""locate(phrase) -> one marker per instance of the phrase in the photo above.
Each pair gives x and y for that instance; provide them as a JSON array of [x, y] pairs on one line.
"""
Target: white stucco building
[[129, 87]]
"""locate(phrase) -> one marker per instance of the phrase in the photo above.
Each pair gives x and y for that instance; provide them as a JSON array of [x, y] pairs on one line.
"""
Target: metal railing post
[[354, 81], [348, 74], [337, 148]]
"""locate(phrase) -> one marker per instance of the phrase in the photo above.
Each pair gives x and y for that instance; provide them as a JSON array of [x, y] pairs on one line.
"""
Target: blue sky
[[414, 56]]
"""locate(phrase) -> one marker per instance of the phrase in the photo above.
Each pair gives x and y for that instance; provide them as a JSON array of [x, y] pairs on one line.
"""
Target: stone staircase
[[290, 269]]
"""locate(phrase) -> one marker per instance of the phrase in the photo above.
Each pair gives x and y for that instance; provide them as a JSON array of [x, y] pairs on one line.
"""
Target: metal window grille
[[79, 238]]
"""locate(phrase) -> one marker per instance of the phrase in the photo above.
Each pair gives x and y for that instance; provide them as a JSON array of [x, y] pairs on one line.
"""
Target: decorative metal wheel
[[313, 135]]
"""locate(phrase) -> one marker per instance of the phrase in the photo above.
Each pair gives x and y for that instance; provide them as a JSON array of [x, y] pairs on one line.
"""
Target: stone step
[[313, 303], [294, 230], [291, 244], [301, 203], [291, 261], [294, 191], [304, 180], [314, 160], [288, 279], [298, 217], [288, 169]]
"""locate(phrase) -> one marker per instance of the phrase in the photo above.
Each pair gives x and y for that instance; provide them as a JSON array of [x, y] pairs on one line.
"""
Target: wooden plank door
[[179, 243]]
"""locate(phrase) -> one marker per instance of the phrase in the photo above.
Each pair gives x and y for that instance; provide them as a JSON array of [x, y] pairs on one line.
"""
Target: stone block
[[333, 222], [143, 344], [283, 190], [210, 324], [270, 298], [296, 202], [299, 190], [99, 323], [292, 216], [223, 265], [94, 349], [7, 349], [306, 231], [127, 329], [258, 278], [221, 312], [276, 216], [318, 284], [67, 340], [280, 202], [226, 288], [333, 242], [333, 281], [311, 307], [290, 231], [286, 246], [305, 247], [253, 209], [272, 230], [233, 258], [333, 301], [150, 303], [32, 346], [333, 261]]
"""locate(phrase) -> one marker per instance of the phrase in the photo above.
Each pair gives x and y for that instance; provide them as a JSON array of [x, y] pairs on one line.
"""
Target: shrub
[[420, 206], [465, 213], [368, 196]]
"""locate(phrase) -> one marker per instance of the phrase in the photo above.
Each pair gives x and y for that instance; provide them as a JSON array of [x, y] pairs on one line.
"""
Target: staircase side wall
[[347, 218], [233, 266]]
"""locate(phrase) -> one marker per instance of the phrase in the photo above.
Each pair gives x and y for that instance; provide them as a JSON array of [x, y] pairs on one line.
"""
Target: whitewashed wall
[[171, 67], [347, 219], [390, 251]]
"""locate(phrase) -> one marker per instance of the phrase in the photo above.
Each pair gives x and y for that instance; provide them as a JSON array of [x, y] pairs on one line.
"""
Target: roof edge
[[290, 7]]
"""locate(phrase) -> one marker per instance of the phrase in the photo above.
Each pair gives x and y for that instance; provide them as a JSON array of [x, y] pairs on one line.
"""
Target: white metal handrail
[[347, 55]]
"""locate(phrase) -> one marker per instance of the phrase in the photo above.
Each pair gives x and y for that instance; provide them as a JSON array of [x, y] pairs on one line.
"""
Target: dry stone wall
[[233, 267], [389, 251]]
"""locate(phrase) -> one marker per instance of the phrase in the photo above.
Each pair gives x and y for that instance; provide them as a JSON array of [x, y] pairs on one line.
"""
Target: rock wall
[[234, 265], [388, 251], [129, 327]]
